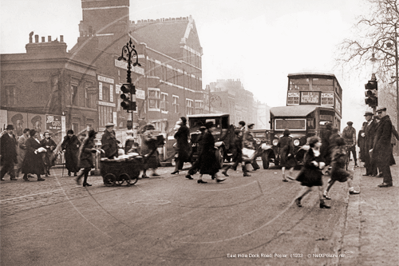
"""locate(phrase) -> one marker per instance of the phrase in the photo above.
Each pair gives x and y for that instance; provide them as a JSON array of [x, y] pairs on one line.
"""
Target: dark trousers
[[8, 167], [383, 166], [352, 150], [371, 167]]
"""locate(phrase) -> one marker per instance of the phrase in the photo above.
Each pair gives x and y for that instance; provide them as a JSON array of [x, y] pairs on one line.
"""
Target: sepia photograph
[[199, 132]]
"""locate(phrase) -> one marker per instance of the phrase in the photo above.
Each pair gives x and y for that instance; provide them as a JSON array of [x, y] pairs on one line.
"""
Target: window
[[164, 102], [199, 107], [106, 92], [9, 98], [154, 96], [74, 94], [105, 115], [90, 95], [175, 103], [189, 107]]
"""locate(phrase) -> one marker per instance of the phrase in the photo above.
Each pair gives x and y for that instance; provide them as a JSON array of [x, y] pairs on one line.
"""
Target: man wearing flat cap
[[382, 148], [369, 129], [109, 143], [8, 153], [349, 135]]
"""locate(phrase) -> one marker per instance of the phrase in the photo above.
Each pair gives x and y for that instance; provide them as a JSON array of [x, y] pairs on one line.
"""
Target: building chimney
[[36, 38], [30, 37], [61, 38], [49, 38], [43, 39]]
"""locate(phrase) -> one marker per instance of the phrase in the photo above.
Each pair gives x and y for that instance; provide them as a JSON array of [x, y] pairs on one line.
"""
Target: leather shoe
[[87, 185], [175, 172], [353, 192], [285, 180], [245, 174], [13, 179], [323, 205], [220, 180], [385, 185], [189, 177], [144, 176], [327, 197], [41, 179], [200, 181], [155, 174]]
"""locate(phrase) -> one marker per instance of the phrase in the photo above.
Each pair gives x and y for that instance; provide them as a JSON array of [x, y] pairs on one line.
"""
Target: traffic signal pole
[[129, 101]]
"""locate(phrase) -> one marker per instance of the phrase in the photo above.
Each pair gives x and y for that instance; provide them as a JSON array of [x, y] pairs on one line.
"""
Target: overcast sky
[[256, 41]]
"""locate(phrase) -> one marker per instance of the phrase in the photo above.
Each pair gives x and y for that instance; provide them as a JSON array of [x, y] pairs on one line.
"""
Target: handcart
[[116, 172]]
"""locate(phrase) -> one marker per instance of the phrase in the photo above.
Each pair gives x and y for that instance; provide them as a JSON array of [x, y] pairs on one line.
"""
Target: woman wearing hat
[[71, 146], [183, 148], [86, 151], [49, 145], [286, 152], [33, 162], [311, 175], [149, 150], [208, 164]]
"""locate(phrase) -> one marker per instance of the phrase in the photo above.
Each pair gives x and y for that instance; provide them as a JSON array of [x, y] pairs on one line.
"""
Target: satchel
[[248, 154]]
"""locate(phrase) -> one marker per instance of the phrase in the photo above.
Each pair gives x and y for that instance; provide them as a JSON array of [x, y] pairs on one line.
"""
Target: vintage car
[[303, 121], [222, 134]]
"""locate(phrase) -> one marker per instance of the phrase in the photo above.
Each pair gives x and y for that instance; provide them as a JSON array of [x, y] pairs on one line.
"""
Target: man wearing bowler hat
[[369, 129], [382, 148], [109, 143], [8, 153], [349, 135]]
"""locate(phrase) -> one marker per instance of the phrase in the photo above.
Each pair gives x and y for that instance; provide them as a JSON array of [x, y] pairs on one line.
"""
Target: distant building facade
[[230, 96]]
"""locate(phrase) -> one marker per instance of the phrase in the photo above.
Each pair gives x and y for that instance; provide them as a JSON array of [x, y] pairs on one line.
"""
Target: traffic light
[[371, 92], [129, 97]]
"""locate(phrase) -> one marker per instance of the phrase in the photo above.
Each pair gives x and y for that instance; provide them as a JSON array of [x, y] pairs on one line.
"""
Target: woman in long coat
[[49, 145], [71, 146], [286, 152], [149, 151], [86, 151], [33, 162], [208, 164], [311, 174], [183, 148]]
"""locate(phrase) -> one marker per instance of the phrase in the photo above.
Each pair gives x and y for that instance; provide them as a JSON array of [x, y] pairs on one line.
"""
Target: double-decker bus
[[313, 100]]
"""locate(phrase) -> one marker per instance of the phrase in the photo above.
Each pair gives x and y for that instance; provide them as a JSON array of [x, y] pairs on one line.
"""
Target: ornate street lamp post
[[129, 102]]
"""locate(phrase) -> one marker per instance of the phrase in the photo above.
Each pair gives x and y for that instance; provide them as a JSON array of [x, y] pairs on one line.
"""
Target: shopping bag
[[248, 154]]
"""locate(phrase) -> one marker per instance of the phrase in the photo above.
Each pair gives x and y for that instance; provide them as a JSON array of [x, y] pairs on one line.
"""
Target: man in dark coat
[[8, 153], [71, 146], [47, 156], [183, 148], [382, 148], [208, 163], [325, 143], [369, 134], [109, 143], [194, 168]]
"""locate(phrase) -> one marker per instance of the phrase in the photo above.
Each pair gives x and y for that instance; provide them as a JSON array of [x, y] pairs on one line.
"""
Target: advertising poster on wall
[[19, 121]]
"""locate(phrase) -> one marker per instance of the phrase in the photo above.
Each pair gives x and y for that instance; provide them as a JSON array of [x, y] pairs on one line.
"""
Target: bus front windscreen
[[292, 124]]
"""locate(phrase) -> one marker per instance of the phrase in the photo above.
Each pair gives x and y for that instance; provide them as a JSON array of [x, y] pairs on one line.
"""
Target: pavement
[[371, 234]]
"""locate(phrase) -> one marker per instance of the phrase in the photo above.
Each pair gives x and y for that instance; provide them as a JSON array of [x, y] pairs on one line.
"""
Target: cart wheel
[[109, 180], [119, 181], [126, 178]]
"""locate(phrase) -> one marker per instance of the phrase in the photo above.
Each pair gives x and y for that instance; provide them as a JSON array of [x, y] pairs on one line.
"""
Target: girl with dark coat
[[338, 172], [149, 151], [183, 147], [311, 174], [33, 162], [71, 146], [86, 151], [208, 164], [286, 152], [49, 145]]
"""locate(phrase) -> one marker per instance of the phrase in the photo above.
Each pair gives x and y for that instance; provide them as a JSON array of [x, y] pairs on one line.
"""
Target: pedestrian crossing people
[[8, 153]]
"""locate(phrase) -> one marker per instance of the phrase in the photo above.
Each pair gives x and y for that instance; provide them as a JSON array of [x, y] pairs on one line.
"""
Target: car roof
[[207, 115]]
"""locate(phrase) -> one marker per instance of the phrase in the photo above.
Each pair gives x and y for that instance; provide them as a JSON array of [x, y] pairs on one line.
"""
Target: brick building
[[46, 86], [169, 80]]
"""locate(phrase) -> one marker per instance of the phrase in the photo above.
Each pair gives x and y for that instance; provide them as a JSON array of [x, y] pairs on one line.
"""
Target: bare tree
[[377, 38]]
